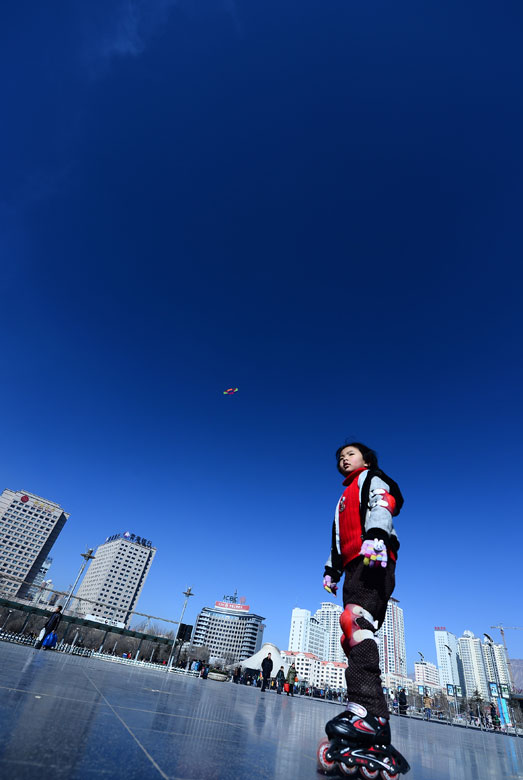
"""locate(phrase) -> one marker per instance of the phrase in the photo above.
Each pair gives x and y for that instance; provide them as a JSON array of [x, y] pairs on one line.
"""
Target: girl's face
[[350, 460]]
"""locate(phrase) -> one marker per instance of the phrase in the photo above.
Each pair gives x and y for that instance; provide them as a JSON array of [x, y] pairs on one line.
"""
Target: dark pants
[[265, 683], [370, 588]]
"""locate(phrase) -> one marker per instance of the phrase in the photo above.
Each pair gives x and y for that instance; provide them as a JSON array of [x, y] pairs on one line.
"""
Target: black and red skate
[[358, 744]]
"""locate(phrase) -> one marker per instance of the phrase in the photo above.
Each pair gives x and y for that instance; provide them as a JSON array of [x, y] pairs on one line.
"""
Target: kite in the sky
[[230, 391]]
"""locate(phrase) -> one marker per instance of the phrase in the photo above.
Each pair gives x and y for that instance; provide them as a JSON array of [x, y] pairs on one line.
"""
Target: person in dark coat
[[266, 670], [291, 679], [402, 699], [51, 625], [280, 680]]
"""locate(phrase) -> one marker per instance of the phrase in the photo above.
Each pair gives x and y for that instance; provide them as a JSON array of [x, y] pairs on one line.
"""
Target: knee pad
[[353, 633]]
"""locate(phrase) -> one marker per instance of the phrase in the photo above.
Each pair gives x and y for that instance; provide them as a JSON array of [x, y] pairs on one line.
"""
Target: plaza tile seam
[[180, 715], [42, 693], [124, 724]]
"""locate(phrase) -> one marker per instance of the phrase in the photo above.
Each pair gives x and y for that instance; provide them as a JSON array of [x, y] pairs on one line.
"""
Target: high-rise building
[[426, 673], [115, 578], [29, 526], [495, 660], [229, 630], [474, 673], [45, 592], [447, 654], [307, 634], [328, 615], [34, 592], [391, 641]]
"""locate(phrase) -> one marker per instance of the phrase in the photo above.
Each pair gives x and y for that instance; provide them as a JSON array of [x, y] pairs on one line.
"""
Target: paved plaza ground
[[69, 717]]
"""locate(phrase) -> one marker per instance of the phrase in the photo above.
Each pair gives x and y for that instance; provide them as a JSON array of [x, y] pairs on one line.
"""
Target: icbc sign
[[235, 607], [24, 499]]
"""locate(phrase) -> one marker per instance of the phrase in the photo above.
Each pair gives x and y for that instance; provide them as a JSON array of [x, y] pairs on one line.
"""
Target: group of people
[[399, 703], [284, 682], [200, 666]]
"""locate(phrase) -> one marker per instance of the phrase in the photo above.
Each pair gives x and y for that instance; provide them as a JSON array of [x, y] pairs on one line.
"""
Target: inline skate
[[360, 743]]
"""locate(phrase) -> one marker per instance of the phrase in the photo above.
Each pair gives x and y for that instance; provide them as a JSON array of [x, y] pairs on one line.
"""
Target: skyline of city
[[324, 608]]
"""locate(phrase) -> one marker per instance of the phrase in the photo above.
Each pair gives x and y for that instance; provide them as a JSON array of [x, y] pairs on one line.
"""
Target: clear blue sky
[[317, 202]]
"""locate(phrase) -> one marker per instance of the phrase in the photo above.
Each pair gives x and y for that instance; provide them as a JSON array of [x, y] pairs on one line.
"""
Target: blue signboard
[[128, 536]]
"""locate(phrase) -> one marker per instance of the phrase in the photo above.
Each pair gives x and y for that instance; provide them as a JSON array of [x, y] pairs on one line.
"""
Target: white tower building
[[328, 615], [29, 526], [474, 673], [495, 660], [35, 591], [391, 641], [115, 578], [307, 634], [447, 661]]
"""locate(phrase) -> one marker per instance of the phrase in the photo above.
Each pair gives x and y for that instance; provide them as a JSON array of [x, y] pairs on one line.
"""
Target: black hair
[[369, 455]]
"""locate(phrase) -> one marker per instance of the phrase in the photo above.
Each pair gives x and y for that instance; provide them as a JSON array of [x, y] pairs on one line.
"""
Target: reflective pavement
[[69, 717]]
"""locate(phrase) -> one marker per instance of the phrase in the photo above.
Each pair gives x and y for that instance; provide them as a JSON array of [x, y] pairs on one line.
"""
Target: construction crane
[[502, 630]]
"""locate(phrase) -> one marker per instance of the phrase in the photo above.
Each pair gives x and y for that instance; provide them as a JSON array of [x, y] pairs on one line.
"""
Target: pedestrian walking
[[291, 679], [280, 680], [50, 626], [427, 705], [402, 700], [266, 671]]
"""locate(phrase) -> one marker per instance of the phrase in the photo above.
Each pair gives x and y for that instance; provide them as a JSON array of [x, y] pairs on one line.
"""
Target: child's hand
[[374, 552], [330, 585]]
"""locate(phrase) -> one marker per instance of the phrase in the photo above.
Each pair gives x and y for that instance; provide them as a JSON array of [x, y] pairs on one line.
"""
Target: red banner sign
[[228, 605]]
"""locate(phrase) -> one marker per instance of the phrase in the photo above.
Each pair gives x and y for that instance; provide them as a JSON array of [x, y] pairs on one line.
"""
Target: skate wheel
[[388, 775], [345, 769], [369, 773], [324, 764]]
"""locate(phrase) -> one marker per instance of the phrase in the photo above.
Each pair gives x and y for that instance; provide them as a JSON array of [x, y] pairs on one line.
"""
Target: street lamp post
[[87, 556], [9, 613], [490, 643], [187, 593], [449, 650], [423, 662]]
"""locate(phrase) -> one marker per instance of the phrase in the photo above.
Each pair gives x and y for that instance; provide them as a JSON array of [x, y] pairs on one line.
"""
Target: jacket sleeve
[[378, 521], [333, 565]]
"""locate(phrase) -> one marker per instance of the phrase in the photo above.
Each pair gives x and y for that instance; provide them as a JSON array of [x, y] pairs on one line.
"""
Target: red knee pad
[[353, 634], [348, 626]]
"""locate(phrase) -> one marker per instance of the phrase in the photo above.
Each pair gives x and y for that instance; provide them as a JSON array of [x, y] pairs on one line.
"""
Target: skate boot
[[358, 744]]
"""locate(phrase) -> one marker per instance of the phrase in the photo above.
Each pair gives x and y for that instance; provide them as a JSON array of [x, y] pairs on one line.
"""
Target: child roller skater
[[364, 548]]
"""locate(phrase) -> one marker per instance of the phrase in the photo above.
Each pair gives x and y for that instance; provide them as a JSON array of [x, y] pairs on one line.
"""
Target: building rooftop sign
[[129, 537], [231, 605]]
